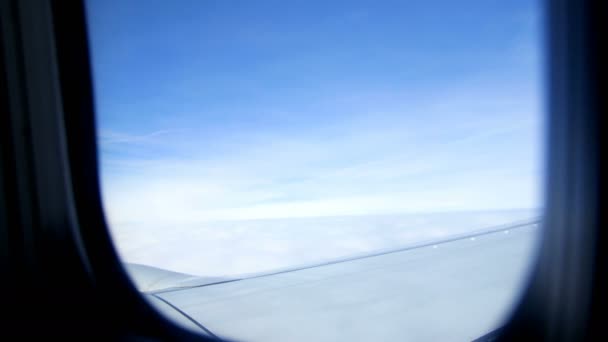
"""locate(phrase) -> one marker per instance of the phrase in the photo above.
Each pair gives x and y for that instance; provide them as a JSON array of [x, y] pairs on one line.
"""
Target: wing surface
[[456, 289]]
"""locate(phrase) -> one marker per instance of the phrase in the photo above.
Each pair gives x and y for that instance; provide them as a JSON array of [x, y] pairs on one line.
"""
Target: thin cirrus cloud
[[383, 163]]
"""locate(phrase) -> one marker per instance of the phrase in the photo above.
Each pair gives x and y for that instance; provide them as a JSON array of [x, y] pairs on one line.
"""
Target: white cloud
[[476, 147], [234, 248]]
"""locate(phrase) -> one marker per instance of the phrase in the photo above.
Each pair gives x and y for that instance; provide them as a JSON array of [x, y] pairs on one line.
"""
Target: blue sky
[[212, 110]]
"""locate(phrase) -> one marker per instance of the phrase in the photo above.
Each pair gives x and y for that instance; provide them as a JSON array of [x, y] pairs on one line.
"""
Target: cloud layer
[[235, 248]]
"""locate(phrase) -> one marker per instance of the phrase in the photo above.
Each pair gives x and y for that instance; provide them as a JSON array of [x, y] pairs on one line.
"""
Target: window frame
[[59, 255]]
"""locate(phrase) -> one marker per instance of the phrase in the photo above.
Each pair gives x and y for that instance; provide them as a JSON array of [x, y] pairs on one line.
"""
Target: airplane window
[[322, 170]]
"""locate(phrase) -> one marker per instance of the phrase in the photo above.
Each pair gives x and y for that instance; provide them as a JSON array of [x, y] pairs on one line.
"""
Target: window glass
[[330, 170]]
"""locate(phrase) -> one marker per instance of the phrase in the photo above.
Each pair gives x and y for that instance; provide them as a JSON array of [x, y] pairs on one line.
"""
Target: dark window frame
[[65, 278]]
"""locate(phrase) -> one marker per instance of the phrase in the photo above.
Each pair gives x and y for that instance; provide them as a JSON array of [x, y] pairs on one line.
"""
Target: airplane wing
[[455, 289]]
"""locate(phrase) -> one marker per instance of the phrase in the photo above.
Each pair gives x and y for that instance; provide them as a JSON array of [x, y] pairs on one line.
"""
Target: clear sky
[[258, 109]]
